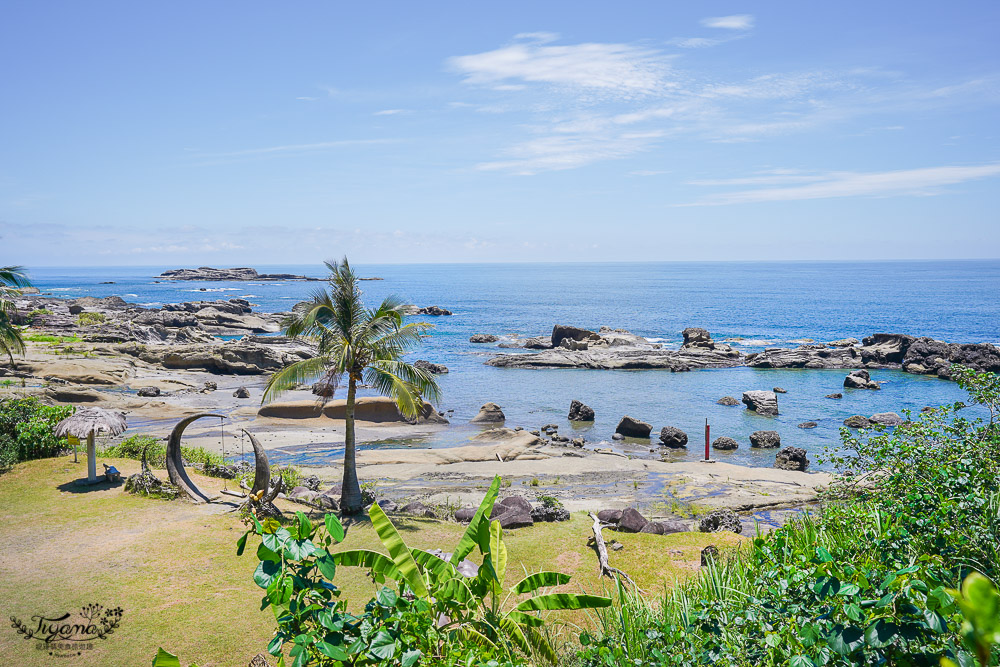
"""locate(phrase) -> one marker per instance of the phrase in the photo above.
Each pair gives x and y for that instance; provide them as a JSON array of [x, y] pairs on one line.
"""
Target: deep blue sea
[[763, 304]]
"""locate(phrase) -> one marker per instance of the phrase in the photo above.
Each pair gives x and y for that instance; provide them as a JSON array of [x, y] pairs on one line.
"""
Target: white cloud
[[622, 69], [903, 182], [734, 22], [558, 152], [390, 112]]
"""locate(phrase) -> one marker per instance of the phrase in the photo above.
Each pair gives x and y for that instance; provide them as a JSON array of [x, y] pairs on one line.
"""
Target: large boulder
[[791, 458], [490, 413], [884, 348], [860, 379], [720, 520], [725, 443], [765, 439], [632, 521], [673, 437], [578, 412], [609, 516], [697, 337], [762, 402], [512, 512], [633, 428], [465, 514], [549, 513], [562, 331]]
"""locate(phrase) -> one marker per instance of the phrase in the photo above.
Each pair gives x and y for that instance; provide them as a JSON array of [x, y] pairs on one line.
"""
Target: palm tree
[[356, 344], [11, 278]]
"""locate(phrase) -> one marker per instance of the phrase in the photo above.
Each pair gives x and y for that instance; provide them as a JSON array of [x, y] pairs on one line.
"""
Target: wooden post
[[706, 439], [91, 459]]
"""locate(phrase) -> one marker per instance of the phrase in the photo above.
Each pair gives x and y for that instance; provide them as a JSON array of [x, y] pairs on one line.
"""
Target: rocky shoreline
[[617, 349]]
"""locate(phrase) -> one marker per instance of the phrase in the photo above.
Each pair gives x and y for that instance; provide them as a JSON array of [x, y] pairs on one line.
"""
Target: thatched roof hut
[[86, 423]]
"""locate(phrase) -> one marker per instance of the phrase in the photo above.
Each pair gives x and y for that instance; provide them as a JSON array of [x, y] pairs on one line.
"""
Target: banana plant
[[474, 608]]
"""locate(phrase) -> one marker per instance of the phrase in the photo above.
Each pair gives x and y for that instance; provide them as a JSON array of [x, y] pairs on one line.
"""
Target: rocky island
[[240, 273]]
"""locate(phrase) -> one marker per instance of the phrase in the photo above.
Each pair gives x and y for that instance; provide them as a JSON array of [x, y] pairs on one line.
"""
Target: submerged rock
[[727, 400], [427, 366], [834, 396], [808, 425]]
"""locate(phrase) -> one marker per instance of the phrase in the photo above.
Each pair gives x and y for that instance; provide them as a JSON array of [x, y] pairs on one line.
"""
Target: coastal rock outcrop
[[633, 428], [561, 332], [243, 357], [860, 379], [578, 412], [791, 458], [429, 367], [697, 337], [812, 356], [673, 437], [433, 311], [765, 440], [490, 413], [762, 402]]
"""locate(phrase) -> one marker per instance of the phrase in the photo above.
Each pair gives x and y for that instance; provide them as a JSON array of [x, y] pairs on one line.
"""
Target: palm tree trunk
[[350, 494]]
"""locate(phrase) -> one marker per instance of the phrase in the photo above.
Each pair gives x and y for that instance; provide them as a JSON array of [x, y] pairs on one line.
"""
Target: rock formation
[[578, 412], [725, 443], [633, 428], [761, 402], [243, 273], [860, 379], [673, 437], [720, 520], [490, 413], [791, 458], [765, 439]]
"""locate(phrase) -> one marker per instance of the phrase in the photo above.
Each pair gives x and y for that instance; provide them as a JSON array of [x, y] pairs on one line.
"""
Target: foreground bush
[[26, 430], [866, 582]]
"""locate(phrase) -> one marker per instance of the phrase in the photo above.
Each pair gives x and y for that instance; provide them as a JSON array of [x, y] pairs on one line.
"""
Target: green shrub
[[866, 581], [156, 455], [90, 319], [26, 430], [37, 313], [46, 338]]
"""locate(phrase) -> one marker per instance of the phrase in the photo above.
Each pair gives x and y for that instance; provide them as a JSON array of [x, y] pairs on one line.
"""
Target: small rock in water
[[765, 439], [727, 400], [673, 437], [490, 413], [887, 419], [860, 379], [633, 428], [432, 368], [242, 392], [209, 386], [808, 425], [761, 402], [779, 390], [725, 443], [578, 412], [618, 436], [837, 395], [483, 338], [857, 421]]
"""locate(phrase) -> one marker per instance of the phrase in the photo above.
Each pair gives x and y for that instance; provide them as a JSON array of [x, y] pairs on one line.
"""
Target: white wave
[[64, 289], [657, 340], [755, 342], [131, 295]]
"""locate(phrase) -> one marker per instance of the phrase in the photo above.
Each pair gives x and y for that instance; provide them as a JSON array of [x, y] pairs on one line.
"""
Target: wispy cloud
[[734, 22], [622, 69], [903, 182], [294, 148], [391, 112]]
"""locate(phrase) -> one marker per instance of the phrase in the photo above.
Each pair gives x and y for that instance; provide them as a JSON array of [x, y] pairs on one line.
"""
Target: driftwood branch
[[602, 555]]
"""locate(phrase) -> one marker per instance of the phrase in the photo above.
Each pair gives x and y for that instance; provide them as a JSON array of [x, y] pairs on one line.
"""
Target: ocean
[[752, 304]]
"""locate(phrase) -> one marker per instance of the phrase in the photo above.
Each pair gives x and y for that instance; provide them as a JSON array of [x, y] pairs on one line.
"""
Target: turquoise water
[[765, 304]]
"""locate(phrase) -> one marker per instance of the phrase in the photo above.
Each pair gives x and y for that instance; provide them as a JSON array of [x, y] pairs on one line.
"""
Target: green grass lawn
[[172, 566]]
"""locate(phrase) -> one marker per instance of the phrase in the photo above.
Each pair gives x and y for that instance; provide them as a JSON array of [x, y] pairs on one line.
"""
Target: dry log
[[602, 555]]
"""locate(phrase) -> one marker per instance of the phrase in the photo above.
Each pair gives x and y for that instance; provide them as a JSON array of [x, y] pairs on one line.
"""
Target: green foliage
[[980, 605], [434, 615], [12, 278], [26, 430], [91, 319], [865, 582], [46, 338], [156, 452]]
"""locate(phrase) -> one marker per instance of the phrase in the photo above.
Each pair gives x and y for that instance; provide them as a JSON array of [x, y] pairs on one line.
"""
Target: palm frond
[[406, 395], [417, 380], [297, 373], [14, 276]]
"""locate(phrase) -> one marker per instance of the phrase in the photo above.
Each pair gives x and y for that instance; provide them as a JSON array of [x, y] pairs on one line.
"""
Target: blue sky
[[261, 133]]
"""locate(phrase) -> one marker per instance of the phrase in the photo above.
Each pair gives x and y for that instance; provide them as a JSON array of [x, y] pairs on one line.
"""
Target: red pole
[[706, 438]]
